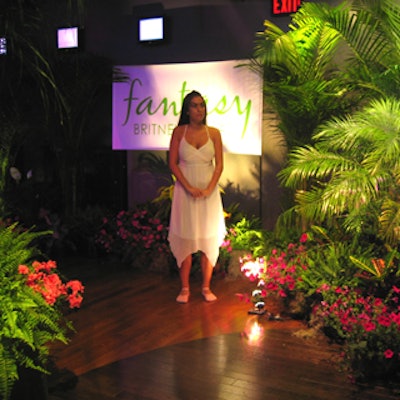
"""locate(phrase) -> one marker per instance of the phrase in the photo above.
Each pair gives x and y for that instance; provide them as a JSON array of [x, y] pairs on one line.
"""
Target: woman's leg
[[184, 273], [207, 271]]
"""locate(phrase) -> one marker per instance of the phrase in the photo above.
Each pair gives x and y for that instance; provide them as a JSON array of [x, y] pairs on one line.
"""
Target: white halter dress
[[196, 224]]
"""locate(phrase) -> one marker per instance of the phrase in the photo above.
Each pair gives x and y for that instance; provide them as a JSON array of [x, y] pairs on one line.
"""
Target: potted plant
[[31, 304]]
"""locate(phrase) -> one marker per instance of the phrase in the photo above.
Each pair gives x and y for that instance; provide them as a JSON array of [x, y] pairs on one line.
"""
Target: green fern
[[27, 322]]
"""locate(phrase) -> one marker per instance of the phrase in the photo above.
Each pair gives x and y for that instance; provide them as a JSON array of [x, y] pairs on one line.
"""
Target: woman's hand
[[206, 192], [196, 192]]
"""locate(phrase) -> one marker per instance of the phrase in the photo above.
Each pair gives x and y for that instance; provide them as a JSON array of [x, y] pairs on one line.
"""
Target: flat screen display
[[68, 38], [151, 29]]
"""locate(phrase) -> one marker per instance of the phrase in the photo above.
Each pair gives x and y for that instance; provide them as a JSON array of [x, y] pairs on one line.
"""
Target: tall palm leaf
[[331, 61], [27, 69], [301, 82], [368, 30], [352, 173]]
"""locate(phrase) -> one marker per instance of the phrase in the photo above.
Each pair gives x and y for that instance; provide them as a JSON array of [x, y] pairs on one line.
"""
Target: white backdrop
[[146, 108]]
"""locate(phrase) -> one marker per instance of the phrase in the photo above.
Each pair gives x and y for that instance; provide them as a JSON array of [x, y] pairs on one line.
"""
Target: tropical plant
[[329, 61], [247, 235], [352, 174], [76, 125], [304, 267], [31, 315], [65, 94], [7, 134], [320, 280], [328, 260], [300, 79]]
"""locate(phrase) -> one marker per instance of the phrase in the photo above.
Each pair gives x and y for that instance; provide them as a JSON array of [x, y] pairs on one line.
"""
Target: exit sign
[[280, 7]]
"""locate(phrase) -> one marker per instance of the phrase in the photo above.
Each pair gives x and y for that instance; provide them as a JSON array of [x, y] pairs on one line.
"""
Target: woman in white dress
[[197, 219]]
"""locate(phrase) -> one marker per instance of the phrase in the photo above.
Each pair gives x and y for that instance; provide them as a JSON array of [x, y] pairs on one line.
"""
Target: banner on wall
[[147, 105]]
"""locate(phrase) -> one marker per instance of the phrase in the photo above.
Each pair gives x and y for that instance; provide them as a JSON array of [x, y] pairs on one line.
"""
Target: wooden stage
[[133, 341]]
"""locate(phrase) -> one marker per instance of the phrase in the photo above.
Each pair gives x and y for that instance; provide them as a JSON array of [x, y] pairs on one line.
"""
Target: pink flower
[[388, 353], [323, 288], [369, 326], [384, 320], [303, 238], [395, 318]]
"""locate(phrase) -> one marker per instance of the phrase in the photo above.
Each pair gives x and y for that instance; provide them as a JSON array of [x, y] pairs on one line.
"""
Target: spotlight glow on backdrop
[[146, 107]]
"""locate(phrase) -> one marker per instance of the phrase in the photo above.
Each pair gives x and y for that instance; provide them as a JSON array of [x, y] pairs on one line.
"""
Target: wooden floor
[[133, 341]]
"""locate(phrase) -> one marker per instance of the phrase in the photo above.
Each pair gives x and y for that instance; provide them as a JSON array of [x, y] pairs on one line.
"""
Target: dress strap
[[184, 133]]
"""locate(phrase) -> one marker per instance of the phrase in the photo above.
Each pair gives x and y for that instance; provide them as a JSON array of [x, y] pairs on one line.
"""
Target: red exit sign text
[[285, 6]]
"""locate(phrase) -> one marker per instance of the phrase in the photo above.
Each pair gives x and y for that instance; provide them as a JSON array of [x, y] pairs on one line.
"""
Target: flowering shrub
[[369, 326], [131, 233], [359, 310], [280, 272], [31, 300], [43, 279]]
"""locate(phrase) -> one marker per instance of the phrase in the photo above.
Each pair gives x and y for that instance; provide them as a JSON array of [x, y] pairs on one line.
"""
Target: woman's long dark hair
[[184, 117]]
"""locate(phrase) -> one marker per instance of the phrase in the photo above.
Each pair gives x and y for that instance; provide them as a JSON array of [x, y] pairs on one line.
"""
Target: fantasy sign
[[285, 6], [147, 104]]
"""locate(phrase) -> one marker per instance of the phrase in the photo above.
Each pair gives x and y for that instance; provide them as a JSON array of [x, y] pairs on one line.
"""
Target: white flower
[[15, 174]]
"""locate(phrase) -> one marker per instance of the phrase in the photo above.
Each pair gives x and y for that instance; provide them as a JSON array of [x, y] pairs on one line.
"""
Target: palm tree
[[84, 82], [28, 87], [352, 173], [300, 78], [46, 99], [332, 62], [329, 62]]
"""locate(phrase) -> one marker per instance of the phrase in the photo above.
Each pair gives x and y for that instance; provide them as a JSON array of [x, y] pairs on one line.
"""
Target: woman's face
[[197, 109]]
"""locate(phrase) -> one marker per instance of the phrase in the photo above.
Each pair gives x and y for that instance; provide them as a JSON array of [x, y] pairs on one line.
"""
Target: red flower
[[396, 289], [369, 326], [384, 320], [45, 281], [388, 353], [23, 269], [303, 238]]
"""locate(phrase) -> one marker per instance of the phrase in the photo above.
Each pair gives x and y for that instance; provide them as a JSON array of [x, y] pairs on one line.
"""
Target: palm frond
[[309, 163], [389, 221]]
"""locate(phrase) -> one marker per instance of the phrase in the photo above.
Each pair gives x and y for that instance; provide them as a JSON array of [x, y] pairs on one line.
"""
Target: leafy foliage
[[368, 325], [135, 235], [28, 323], [302, 82], [352, 173]]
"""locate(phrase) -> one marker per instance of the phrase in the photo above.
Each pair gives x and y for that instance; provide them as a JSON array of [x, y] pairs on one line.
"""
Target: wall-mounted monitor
[[3, 46], [68, 37], [151, 29]]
